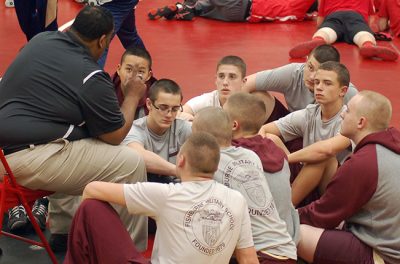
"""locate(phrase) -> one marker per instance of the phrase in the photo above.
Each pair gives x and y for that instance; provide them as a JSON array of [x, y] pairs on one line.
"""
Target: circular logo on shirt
[[205, 226], [244, 175]]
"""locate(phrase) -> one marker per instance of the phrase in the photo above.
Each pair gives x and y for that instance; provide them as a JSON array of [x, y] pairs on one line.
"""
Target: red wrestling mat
[[187, 51]]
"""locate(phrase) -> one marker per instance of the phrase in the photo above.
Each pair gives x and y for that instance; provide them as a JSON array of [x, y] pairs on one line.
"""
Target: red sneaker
[[384, 53], [303, 49]]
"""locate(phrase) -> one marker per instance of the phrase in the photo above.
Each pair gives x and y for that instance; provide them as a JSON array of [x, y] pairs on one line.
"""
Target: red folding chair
[[12, 194]]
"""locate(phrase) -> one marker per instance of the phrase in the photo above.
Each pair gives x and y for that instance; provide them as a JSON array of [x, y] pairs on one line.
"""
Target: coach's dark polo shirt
[[54, 89]]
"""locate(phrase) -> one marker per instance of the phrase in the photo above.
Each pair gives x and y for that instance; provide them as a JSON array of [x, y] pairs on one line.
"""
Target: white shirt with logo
[[241, 169], [197, 222]]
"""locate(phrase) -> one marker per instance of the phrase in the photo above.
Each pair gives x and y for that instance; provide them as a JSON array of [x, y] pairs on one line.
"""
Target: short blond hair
[[376, 108], [202, 152], [214, 121], [248, 110], [235, 61]]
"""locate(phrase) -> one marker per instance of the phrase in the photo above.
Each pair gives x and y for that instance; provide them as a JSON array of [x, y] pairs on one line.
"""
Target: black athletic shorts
[[346, 24]]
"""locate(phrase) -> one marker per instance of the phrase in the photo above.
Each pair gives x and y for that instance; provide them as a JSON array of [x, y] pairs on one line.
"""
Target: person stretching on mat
[[236, 10], [345, 20]]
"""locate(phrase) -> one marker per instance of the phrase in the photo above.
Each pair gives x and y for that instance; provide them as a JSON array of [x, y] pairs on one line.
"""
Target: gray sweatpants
[[226, 10]]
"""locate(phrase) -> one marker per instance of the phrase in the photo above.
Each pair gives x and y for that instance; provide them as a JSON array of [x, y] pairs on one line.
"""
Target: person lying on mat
[[347, 21], [236, 10], [389, 16], [199, 220]]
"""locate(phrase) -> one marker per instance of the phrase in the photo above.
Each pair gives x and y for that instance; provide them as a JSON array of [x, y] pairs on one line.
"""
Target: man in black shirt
[[61, 120]]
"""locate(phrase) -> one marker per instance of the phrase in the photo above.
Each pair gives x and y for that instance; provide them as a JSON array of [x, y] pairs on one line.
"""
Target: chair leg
[[40, 233]]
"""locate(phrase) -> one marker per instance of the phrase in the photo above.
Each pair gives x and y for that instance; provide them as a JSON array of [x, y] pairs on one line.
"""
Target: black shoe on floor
[[168, 12], [17, 219], [40, 211], [58, 242], [184, 12]]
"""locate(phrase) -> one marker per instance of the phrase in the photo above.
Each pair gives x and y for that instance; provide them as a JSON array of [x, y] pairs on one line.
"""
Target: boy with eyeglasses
[[159, 136]]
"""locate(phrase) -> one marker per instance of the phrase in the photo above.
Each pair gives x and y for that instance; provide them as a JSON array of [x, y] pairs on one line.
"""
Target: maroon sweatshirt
[[365, 194]]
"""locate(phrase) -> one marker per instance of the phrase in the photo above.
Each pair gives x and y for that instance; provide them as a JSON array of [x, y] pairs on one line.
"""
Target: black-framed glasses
[[165, 109]]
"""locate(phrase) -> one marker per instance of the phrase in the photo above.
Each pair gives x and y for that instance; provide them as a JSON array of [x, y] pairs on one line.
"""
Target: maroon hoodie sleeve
[[352, 187], [117, 87]]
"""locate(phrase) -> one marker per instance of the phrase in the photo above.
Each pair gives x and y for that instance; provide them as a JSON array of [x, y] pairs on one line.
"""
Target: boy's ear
[[150, 75], [343, 90], [235, 125], [180, 162], [148, 103]]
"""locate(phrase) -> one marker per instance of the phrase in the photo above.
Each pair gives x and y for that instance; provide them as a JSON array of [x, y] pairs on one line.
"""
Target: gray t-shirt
[[307, 123], [241, 169], [288, 80], [197, 222], [167, 145], [279, 183]]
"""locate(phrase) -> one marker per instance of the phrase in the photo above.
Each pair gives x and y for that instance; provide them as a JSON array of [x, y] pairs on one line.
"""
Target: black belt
[[8, 151]]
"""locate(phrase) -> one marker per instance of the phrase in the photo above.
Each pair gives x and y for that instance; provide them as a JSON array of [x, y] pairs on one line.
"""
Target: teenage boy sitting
[[247, 113], [315, 123]]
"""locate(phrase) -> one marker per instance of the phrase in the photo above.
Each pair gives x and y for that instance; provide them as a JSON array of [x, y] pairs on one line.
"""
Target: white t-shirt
[[197, 222], [307, 123], [288, 80], [241, 170], [205, 100]]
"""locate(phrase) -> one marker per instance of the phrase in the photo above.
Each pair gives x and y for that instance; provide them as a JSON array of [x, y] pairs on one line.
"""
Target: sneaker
[[39, 211], [58, 242], [17, 218], [184, 12], [303, 49], [9, 3], [168, 12], [383, 53]]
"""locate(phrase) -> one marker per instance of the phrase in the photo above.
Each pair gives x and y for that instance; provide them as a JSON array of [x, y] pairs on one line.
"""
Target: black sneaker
[[58, 242], [184, 12], [39, 211], [17, 218], [167, 12]]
